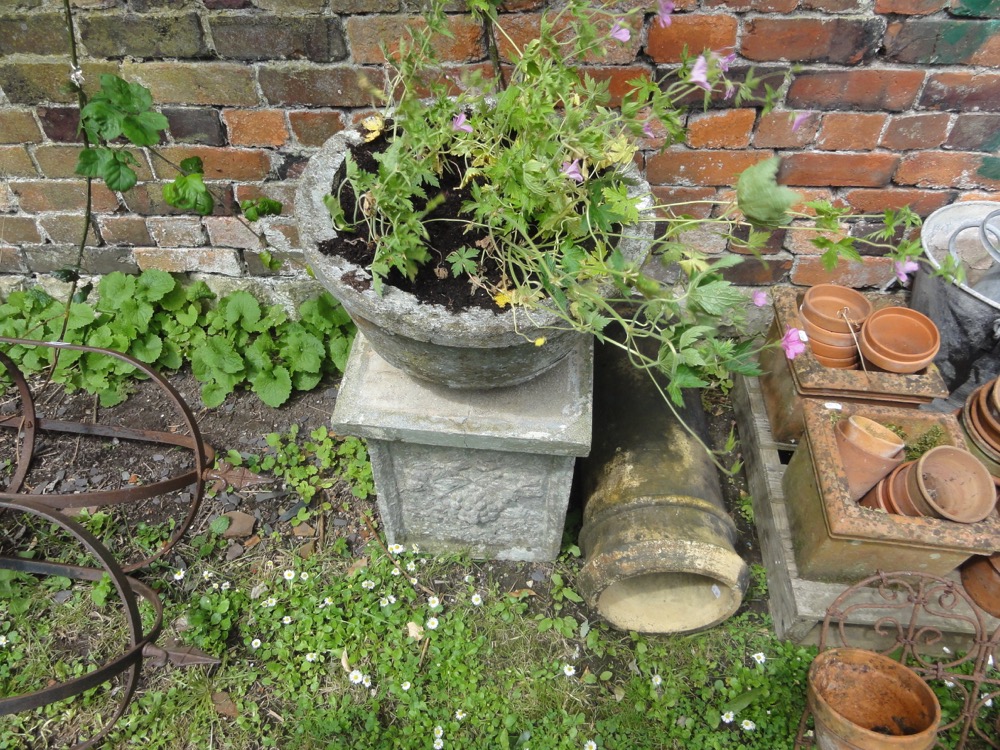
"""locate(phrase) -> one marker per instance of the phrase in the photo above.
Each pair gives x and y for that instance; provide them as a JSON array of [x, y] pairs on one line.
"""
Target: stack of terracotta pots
[[980, 419], [832, 316], [840, 324], [946, 482], [898, 339]]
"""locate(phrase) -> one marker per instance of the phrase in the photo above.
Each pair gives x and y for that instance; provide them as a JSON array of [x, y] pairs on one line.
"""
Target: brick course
[[898, 103]]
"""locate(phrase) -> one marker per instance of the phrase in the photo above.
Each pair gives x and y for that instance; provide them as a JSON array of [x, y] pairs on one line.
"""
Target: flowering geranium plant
[[546, 164]]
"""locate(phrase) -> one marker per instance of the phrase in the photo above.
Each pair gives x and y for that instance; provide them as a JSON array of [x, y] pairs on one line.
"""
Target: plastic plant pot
[[955, 484], [835, 308]]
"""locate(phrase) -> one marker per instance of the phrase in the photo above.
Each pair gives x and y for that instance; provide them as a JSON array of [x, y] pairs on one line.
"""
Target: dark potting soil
[[434, 282]]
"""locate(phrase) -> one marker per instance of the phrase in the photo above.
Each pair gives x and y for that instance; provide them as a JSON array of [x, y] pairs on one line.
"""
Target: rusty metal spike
[[179, 656], [224, 475]]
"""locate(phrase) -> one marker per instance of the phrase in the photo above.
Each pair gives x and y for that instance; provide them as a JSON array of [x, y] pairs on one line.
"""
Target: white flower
[[355, 677], [748, 725], [439, 731], [759, 657], [949, 684], [366, 680], [477, 600], [304, 576], [433, 602], [988, 703], [215, 587], [3, 641], [384, 601], [286, 620], [656, 680], [226, 585], [406, 685], [460, 714], [470, 578], [368, 584], [728, 717], [395, 572], [206, 574], [289, 575], [413, 581], [589, 745], [392, 599], [328, 601], [411, 566], [432, 623], [312, 656], [415, 548], [396, 548], [569, 670], [255, 643], [438, 744], [270, 601], [178, 575]]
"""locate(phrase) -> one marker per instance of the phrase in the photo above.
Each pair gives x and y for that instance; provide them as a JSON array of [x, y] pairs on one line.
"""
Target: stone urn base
[[486, 472]]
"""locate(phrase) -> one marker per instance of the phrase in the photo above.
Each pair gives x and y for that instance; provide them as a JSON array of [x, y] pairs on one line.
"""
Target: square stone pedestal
[[484, 472]]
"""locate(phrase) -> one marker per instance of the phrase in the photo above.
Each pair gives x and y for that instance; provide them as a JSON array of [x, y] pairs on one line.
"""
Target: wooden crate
[[798, 606]]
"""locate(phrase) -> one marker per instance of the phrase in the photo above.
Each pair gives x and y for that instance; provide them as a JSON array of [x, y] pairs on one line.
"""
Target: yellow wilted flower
[[540, 341], [502, 299]]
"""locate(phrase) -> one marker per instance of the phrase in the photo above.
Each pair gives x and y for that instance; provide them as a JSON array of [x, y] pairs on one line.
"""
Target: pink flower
[[699, 73], [793, 342], [663, 13], [904, 268], [459, 123], [620, 33], [759, 298], [725, 62], [800, 118], [647, 129], [572, 170]]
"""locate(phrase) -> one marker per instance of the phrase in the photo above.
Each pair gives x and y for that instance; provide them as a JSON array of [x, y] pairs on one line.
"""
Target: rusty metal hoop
[[129, 662], [916, 607], [29, 425]]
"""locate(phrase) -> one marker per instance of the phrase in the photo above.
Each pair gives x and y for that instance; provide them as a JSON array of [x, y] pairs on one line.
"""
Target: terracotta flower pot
[[954, 483], [867, 701], [898, 339], [824, 336], [899, 495], [995, 397], [832, 352], [863, 466], [851, 363], [872, 436], [981, 579], [989, 424], [878, 496], [835, 308]]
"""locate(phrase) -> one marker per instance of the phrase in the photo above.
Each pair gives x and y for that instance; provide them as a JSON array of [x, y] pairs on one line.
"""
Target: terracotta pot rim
[[825, 335], [831, 351], [995, 395], [986, 418], [978, 432], [862, 429], [974, 468], [822, 301], [899, 492], [916, 321]]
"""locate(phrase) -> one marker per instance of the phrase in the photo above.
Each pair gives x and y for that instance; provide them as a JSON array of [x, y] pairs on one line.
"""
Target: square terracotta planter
[[785, 383], [835, 539]]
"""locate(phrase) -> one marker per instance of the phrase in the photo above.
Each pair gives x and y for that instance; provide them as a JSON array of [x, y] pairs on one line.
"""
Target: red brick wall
[[903, 96]]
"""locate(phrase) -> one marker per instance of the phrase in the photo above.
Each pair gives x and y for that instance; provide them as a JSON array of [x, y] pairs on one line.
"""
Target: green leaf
[[192, 165], [218, 354], [274, 386], [717, 297], [213, 394], [147, 348], [761, 199], [188, 193], [258, 207], [153, 285], [116, 172], [144, 129], [242, 308], [219, 524]]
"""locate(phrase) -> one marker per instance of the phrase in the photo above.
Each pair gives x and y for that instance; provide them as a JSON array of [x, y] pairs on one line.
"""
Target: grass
[[378, 648]]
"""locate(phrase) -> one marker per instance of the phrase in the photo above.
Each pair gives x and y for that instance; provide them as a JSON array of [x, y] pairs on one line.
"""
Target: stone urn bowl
[[474, 348]]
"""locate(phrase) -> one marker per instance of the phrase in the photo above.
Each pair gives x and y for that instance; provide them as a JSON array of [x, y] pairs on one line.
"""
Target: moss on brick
[[42, 34], [143, 36]]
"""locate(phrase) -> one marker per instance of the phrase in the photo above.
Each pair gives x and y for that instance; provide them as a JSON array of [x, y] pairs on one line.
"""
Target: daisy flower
[[477, 600], [656, 680], [759, 657], [438, 744], [748, 725], [226, 585], [255, 644], [366, 680], [312, 656], [396, 548], [206, 574], [569, 670], [178, 575], [406, 685], [433, 602], [439, 731], [304, 576], [287, 620], [460, 714], [728, 717], [289, 575], [395, 572], [589, 745], [270, 601], [355, 677], [432, 623], [368, 584]]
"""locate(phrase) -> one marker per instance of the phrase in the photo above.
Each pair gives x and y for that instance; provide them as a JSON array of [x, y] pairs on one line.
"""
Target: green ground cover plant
[[229, 342]]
